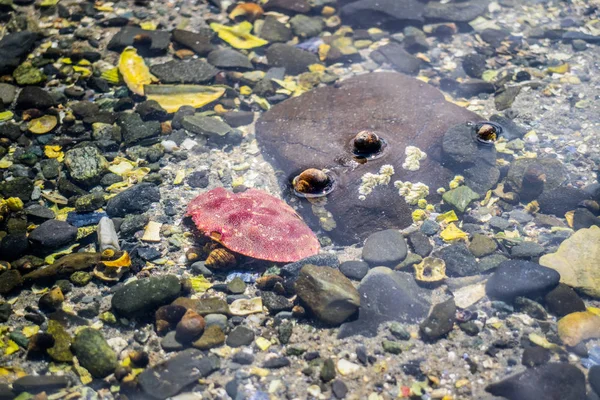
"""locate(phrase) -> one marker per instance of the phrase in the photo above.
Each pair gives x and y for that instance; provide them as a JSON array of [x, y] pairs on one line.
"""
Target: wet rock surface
[[325, 115]]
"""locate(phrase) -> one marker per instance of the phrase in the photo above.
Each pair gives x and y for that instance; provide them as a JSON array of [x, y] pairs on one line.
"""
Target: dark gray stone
[[354, 269], [200, 42], [440, 321], [274, 31], [563, 300], [515, 278], [551, 381], [157, 42], [294, 60], [474, 65], [459, 260], [321, 260], [561, 200], [240, 336], [14, 47], [53, 234], [387, 295], [385, 248], [34, 97], [170, 377], [135, 200], [420, 244], [134, 129], [193, 71], [229, 59], [527, 250], [464, 11], [145, 295], [400, 59], [475, 87], [35, 384], [393, 13]]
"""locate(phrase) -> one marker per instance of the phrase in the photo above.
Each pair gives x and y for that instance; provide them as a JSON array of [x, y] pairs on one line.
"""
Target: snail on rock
[[488, 132], [312, 182]]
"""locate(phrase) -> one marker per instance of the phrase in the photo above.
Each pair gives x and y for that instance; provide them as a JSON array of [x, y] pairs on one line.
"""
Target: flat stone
[[145, 295], [387, 295], [134, 129], [157, 42], [459, 260], [322, 260], [193, 71], [8, 93], [393, 14], [294, 60], [53, 234], [135, 200], [212, 337], [240, 336], [170, 377], [420, 244], [208, 126], [199, 42], [354, 269], [561, 200], [460, 198], [515, 278], [35, 384], [385, 248], [327, 293], [481, 245], [527, 250], [400, 59], [577, 259], [320, 124], [229, 59], [34, 97], [455, 12], [288, 6], [274, 31], [551, 381]]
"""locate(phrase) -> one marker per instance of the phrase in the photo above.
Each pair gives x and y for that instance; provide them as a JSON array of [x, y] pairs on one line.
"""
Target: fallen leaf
[[134, 70], [42, 125], [251, 11], [172, 97], [238, 36]]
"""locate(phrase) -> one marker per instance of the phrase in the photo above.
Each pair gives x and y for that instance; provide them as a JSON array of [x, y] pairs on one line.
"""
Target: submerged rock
[[387, 295], [145, 295], [515, 278], [94, 353], [327, 293], [335, 114], [385, 248], [555, 381]]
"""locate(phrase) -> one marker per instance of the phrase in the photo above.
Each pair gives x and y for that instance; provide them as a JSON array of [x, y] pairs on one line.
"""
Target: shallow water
[[299, 199]]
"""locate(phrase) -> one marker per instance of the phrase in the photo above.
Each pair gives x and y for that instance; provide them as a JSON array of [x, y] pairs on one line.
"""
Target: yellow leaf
[[48, 3], [5, 162], [6, 115], [84, 374], [200, 284], [238, 36], [447, 217], [452, 232], [289, 85], [172, 97], [105, 7], [52, 257], [123, 261], [148, 25], [559, 69], [134, 70], [54, 151], [111, 76], [179, 177], [42, 125], [489, 75], [85, 72], [29, 331], [121, 166], [11, 348], [316, 68], [245, 90]]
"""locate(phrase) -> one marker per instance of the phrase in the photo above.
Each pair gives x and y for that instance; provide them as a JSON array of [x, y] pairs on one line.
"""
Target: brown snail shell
[[220, 259], [311, 181], [367, 142]]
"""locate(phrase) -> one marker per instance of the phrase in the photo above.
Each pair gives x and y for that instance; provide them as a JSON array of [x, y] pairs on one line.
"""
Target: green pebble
[[295, 351], [94, 353], [19, 339], [81, 278], [389, 346], [328, 371], [62, 342], [108, 317], [236, 286], [399, 331], [27, 74]]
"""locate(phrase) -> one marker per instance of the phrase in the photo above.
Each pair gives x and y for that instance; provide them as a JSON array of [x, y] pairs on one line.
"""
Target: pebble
[[420, 244], [474, 65], [481, 245], [339, 389], [94, 353], [429, 227], [440, 321], [534, 356], [345, 367], [294, 60], [240, 336], [35, 384], [515, 278], [212, 337], [276, 363], [144, 295], [527, 250], [355, 270], [385, 248], [229, 59], [135, 200], [53, 234], [563, 300], [459, 260]]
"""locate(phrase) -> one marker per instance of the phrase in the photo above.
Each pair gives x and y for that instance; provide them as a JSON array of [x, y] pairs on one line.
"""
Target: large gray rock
[[314, 131], [395, 13], [13, 49], [327, 293], [387, 295]]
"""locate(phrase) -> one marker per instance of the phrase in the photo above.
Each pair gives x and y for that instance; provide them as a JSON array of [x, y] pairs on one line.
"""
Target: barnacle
[[413, 157], [370, 180], [412, 192]]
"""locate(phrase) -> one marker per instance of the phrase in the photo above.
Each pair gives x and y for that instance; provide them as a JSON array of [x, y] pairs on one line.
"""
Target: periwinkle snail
[[312, 182], [488, 132]]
